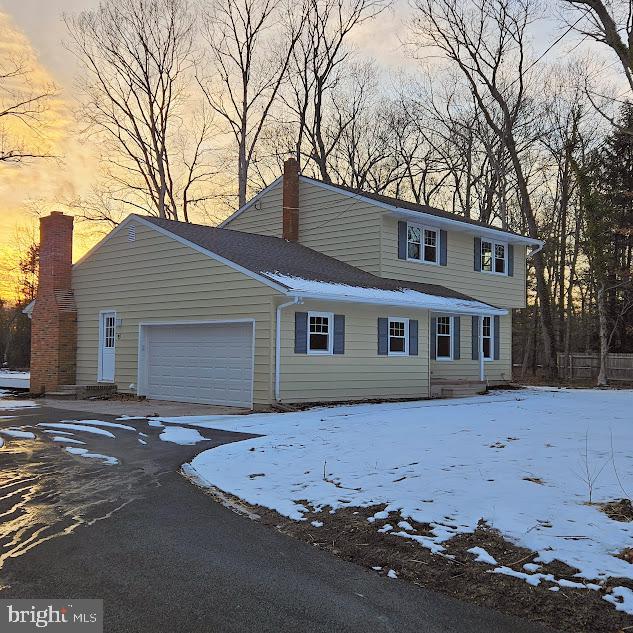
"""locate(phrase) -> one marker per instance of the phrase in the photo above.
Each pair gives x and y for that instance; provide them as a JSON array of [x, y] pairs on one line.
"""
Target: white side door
[[107, 345]]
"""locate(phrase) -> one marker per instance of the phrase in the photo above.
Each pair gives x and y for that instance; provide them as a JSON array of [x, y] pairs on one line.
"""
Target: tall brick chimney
[[291, 201], [54, 318]]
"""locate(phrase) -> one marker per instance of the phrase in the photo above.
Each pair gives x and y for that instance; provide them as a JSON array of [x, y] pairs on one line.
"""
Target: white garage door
[[210, 363]]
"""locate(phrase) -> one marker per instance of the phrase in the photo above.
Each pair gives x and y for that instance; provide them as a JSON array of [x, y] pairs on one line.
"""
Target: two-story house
[[311, 292]]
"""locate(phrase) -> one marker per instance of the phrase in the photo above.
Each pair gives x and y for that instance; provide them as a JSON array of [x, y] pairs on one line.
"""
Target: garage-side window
[[320, 332]]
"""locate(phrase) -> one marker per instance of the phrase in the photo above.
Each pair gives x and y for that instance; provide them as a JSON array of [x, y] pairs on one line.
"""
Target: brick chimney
[[54, 318], [291, 201]]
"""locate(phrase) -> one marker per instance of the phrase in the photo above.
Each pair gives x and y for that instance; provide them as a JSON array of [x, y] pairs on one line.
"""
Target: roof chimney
[[54, 317], [56, 251], [291, 201]]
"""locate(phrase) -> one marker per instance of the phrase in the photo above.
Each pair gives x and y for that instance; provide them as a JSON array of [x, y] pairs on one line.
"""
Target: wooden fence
[[579, 366]]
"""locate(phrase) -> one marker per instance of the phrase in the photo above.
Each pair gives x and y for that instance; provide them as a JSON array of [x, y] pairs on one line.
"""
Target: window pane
[[500, 258], [318, 342], [396, 344], [487, 347], [444, 325], [396, 328], [414, 234], [486, 256], [443, 347], [430, 253], [414, 251], [486, 326], [430, 237]]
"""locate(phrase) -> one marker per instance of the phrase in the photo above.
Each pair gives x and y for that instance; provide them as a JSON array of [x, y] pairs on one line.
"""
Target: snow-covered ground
[[522, 461], [15, 379]]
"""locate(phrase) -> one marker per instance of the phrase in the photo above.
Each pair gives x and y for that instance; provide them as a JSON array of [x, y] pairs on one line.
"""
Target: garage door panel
[[210, 363]]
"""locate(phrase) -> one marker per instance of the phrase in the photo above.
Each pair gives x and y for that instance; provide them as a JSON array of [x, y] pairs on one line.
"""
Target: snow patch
[[67, 440], [181, 435], [17, 433], [482, 556], [84, 452], [77, 427]]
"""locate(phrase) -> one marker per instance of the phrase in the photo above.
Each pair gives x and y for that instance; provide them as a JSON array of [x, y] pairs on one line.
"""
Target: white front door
[[107, 343]]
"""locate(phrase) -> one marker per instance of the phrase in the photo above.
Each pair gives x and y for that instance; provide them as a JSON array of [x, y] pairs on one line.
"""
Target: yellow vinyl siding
[[155, 278], [263, 217], [496, 371], [360, 373], [340, 226], [459, 274]]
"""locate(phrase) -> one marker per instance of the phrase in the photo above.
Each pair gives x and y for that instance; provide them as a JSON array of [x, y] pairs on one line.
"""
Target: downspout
[[295, 301], [536, 250]]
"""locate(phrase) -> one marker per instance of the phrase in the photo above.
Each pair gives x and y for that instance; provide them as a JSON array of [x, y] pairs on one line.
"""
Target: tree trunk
[[604, 336]]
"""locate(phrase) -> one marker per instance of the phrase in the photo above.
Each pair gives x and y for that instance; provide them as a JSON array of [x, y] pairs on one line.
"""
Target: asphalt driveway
[[164, 556]]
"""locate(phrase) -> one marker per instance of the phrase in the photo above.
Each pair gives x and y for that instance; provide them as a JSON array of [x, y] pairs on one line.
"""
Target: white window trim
[[391, 320], [438, 238], [330, 334], [443, 359], [505, 257], [488, 359]]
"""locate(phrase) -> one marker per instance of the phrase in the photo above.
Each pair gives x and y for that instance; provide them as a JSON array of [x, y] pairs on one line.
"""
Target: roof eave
[[483, 311], [465, 227]]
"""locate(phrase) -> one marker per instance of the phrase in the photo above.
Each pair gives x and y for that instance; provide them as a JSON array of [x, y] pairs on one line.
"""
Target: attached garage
[[207, 363]]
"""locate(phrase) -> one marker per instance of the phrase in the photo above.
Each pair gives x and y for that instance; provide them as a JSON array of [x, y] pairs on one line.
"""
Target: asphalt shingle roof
[[263, 254]]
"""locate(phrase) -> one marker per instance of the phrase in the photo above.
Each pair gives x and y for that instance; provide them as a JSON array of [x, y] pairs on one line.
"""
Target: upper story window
[[422, 244], [493, 257], [398, 337], [320, 332]]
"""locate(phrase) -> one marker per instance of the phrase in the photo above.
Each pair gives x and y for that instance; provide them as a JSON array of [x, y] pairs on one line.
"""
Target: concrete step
[[61, 395], [462, 392]]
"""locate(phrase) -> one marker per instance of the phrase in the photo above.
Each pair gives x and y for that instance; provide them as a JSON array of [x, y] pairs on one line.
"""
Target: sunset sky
[[34, 29]]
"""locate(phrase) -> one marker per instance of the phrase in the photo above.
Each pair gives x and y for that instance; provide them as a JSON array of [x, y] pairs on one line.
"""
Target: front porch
[[456, 388]]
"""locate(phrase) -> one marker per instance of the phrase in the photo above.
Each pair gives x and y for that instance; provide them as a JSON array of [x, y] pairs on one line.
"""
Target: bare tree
[[611, 24], [251, 43], [318, 66], [486, 40], [137, 58], [22, 110]]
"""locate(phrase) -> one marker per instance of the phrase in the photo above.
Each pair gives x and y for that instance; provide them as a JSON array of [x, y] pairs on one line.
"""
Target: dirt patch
[[349, 535], [619, 510]]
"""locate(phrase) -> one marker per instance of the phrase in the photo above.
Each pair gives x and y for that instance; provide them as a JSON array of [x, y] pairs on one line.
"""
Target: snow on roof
[[399, 296]]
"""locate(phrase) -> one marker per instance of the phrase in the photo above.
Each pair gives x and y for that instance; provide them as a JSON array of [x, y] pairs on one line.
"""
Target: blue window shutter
[[497, 335], [383, 336], [475, 338], [510, 260], [301, 332], [339, 334], [402, 240], [433, 337], [477, 253], [443, 248], [413, 337], [457, 343]]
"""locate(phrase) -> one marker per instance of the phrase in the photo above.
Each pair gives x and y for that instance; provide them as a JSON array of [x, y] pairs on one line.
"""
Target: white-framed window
[[320, 332], [487, 337], [444, 338], [398, 336], [494, 257], [109, 329], [423, 244]]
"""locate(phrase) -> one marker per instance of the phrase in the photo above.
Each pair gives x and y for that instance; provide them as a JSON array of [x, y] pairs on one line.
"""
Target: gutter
[[484, 311], [295, 301], [537, 249]]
